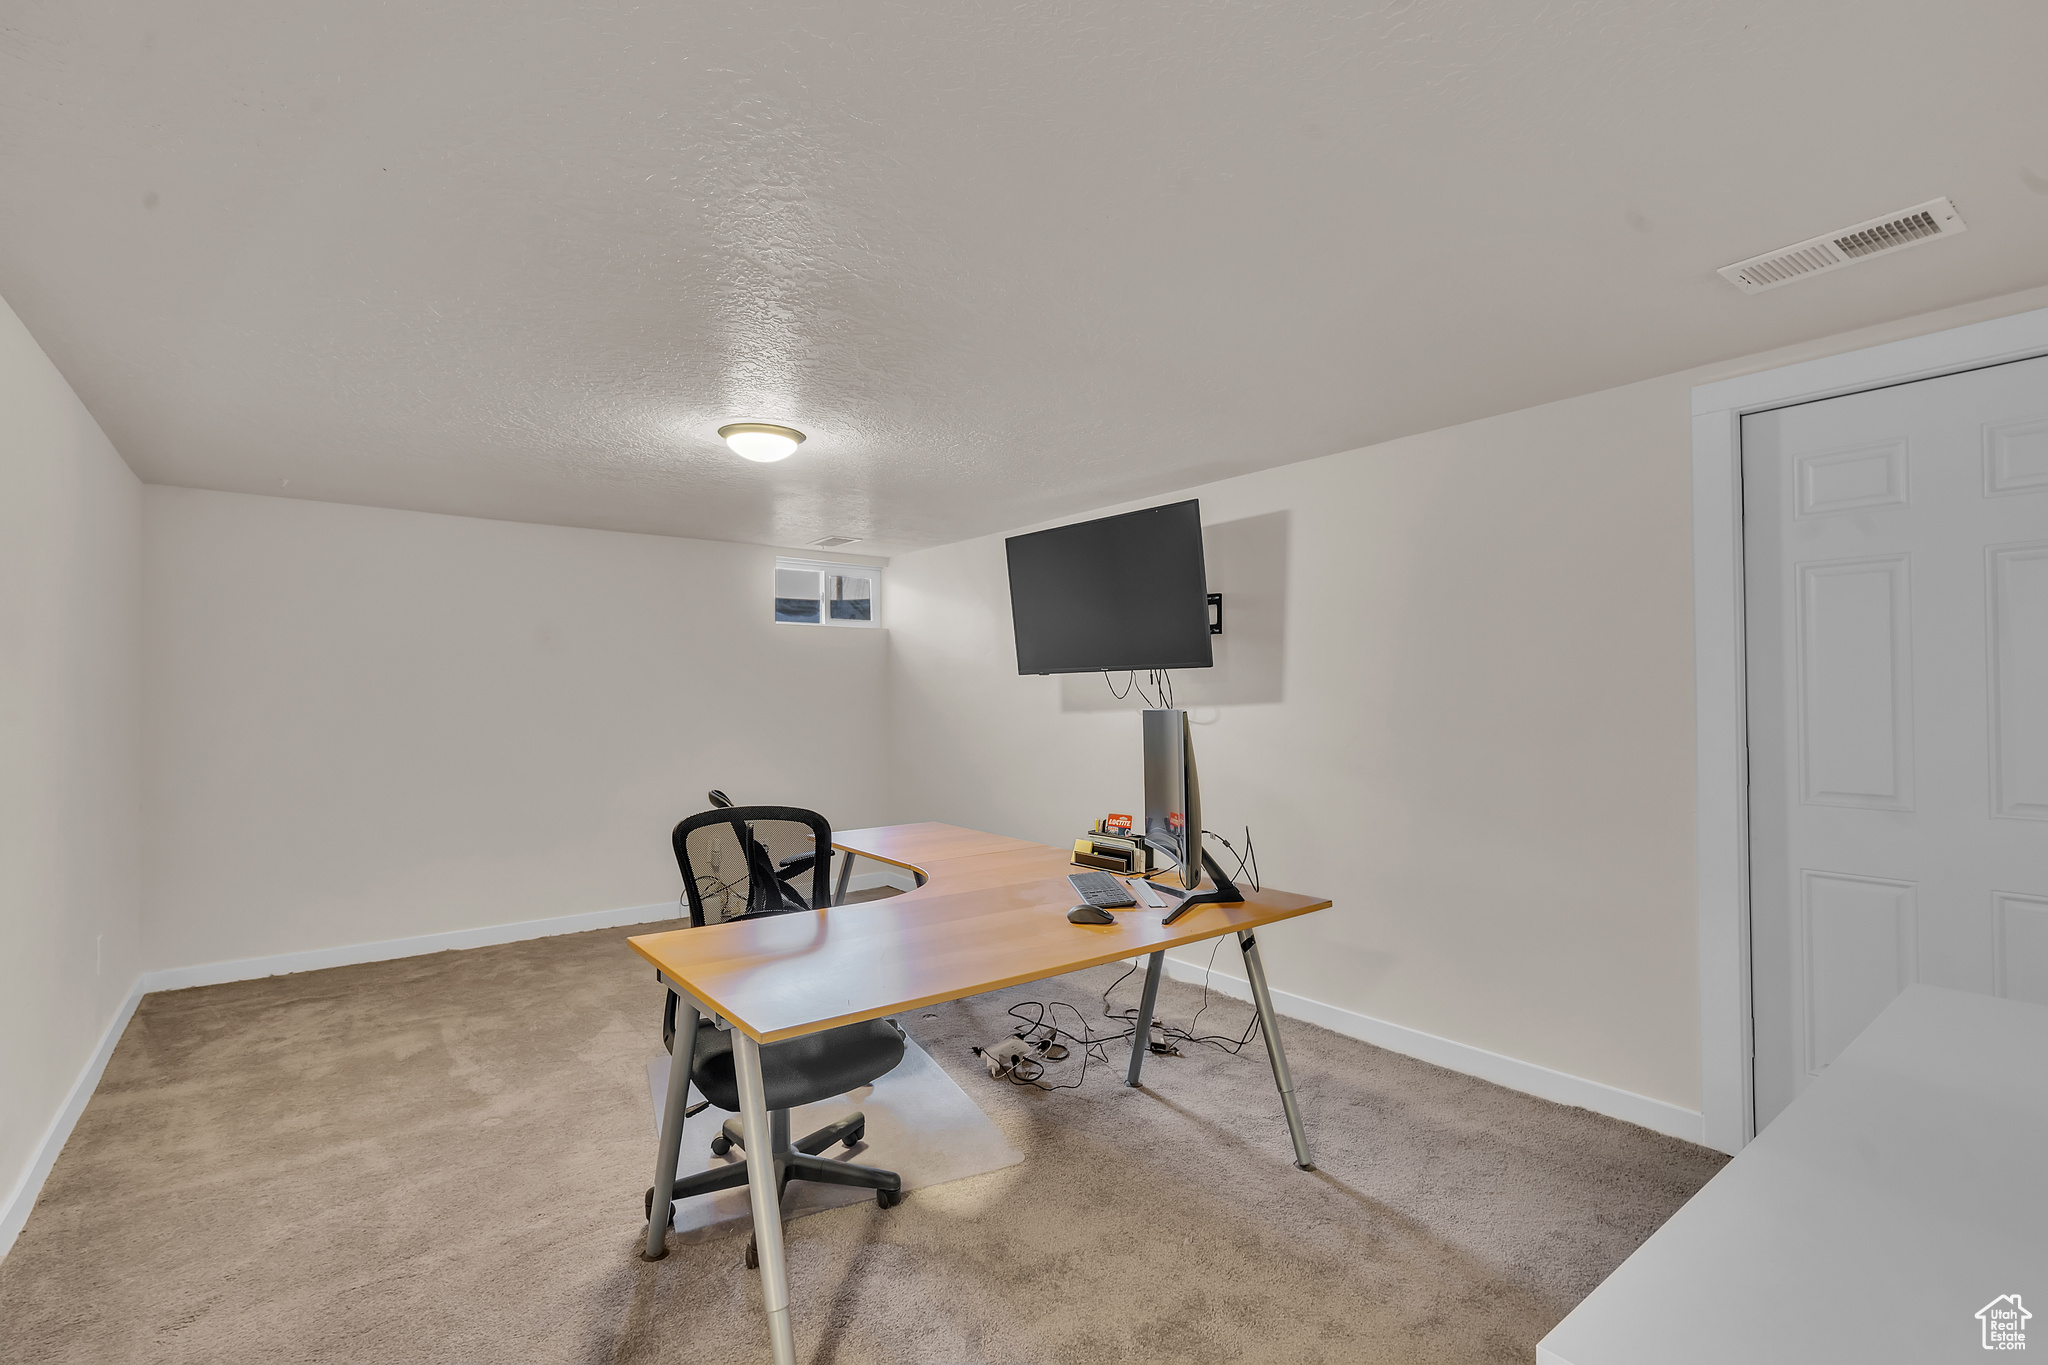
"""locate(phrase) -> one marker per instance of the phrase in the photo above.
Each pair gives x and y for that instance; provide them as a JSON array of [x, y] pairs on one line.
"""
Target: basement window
[[810, 592]]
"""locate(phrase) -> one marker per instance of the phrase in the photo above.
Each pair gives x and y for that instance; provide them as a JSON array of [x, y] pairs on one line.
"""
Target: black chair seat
[[802, 1070]]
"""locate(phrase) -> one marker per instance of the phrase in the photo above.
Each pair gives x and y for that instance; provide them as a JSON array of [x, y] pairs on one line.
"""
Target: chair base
[[793, 1161], [851, 1130]]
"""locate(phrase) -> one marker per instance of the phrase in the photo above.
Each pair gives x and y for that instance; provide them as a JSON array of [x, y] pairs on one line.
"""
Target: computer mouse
[[1089, 914]]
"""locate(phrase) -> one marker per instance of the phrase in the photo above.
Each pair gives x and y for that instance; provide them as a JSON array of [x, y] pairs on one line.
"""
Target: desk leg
[[845, 876], [1282, 1077], [761, 1187], [1141, 1031], [670, 1144]]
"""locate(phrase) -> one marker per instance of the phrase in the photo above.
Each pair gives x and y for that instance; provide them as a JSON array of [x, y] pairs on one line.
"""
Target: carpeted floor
[[442, 1159]]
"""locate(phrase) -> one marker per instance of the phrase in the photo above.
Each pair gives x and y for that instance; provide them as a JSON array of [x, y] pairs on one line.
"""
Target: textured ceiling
[[1001, 261]]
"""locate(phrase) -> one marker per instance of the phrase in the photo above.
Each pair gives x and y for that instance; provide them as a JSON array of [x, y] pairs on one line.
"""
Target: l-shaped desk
[[988, 912]]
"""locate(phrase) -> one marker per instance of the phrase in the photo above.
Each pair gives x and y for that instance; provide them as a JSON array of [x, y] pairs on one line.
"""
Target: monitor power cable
[[1159, 698], [1247, 859]]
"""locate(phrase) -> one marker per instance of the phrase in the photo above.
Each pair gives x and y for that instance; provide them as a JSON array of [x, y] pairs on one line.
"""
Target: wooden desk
[[989, 912]]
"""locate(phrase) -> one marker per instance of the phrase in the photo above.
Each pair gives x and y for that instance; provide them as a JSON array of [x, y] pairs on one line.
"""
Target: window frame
[[842, 568]]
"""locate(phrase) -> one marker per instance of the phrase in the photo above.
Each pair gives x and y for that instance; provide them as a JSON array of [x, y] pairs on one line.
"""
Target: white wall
[[1479, 739], [366, 724], [70, 594], [1481, 747]]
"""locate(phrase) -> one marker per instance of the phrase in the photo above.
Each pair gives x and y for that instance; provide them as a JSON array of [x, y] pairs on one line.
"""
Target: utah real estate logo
[[2005, 1323]]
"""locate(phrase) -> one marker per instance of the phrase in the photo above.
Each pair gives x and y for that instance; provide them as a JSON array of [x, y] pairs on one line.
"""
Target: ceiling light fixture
[[761, 442]]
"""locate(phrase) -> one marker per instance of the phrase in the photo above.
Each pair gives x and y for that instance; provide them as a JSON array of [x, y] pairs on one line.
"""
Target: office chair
[[788, 869], [729, 861]]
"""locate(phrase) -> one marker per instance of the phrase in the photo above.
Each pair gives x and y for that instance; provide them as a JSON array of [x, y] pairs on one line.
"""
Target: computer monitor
[[1117, 594], [1173, 796], [1173, 812]]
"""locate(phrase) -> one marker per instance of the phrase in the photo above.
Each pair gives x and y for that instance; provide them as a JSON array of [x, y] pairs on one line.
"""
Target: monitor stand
[[1225, 891]]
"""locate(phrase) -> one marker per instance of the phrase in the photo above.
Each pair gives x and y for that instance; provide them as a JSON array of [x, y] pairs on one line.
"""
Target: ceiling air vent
[[1893, 232], [834, 542]]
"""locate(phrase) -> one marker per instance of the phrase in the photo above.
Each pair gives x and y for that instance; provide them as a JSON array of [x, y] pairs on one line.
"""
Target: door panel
[[1860, 942], [2022, 926], [2015, 457], [1856, 683], [1896, 547], [2019, 680], [1847, 479]]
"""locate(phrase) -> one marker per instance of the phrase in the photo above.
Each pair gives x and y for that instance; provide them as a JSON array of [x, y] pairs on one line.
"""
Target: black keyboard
[[1100, 890]]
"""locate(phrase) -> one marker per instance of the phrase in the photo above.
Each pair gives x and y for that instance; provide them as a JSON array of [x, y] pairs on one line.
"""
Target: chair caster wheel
[[855, 1138], [753, 1255], [720, 1145], [888, 1199]]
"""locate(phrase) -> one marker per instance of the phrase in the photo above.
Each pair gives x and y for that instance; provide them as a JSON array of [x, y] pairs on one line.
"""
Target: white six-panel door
[[1897, 569]]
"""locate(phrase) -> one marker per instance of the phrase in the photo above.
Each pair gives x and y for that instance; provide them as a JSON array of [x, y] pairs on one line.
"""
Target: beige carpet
[[442, 1159]]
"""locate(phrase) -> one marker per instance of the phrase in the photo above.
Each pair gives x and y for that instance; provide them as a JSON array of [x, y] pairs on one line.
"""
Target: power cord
[[1159, 698], [1172, 1036], [1021, 1058], [1247, 861]]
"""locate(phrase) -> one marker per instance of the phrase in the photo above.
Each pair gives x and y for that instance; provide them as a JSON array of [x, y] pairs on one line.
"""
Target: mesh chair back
[[732, 861]]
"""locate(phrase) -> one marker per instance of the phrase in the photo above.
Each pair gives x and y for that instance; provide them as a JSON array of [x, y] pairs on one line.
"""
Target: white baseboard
[[1527, 1077], [14, 1212], [315, 959], [1557, 1086]]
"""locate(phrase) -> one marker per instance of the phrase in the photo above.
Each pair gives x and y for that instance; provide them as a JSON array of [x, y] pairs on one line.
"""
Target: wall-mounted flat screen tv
[[1120, 593]]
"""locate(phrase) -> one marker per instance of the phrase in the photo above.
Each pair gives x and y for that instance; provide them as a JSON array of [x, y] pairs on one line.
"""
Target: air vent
[[834, 542], [1878, 237]]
